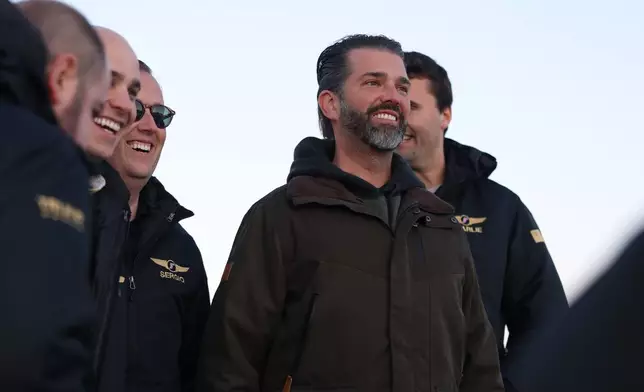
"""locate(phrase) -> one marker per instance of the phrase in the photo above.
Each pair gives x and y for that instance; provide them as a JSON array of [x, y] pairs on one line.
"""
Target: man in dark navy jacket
[[112, 116], [519, 283], [162, 302], [46, 328]]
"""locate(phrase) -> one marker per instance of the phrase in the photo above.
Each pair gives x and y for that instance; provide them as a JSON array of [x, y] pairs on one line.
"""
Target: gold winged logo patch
[[173, 268], [170, 265], [471, 224]]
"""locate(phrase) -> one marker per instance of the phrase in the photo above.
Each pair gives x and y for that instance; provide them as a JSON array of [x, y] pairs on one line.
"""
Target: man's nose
[[122, 102], [392, 94]]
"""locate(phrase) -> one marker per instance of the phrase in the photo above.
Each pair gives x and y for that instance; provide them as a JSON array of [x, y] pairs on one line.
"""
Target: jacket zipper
[[131, 279], [121, 272], [127, 214], [132, 351], [114, 292]]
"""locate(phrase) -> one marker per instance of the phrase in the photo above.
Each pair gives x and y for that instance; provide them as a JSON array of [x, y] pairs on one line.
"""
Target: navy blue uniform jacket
[[47, 308]]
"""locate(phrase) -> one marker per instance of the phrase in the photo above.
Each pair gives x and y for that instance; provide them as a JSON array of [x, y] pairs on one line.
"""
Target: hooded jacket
[[47, 308], [519, 282], [335, 285]]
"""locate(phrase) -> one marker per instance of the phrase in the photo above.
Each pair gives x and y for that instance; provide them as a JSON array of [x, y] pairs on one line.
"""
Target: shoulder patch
[[57, 210], [536, 235], [226, 274]]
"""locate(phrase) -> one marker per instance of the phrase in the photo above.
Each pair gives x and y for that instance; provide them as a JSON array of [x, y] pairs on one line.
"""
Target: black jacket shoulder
[[45, 221], [30, 143], [184, 244], [495, 190], [275, 198]]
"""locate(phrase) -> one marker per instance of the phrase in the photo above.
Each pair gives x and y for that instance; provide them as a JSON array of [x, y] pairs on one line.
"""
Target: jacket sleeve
[[481, 370], [533, 293], [246, 308], [597, 345], [45, 297], [193, 324]]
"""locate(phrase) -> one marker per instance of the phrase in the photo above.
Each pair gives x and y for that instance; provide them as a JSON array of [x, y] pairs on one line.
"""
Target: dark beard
[[380, 137]]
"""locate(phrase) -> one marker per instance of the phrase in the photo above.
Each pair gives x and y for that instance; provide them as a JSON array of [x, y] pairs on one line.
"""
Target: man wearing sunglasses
[[162, 301]]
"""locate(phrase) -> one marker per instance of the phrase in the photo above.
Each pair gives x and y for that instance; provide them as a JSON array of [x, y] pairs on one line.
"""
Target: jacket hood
[[314, 157], [465, 163], [23, 64]]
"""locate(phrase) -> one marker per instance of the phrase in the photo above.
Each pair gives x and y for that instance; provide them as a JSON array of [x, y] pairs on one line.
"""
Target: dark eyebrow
[[378, 75], [404, 80], [135, 87], [381, 75], [117, 76]]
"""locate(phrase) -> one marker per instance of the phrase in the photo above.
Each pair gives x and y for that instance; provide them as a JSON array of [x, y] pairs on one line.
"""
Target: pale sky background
[[552, 89]]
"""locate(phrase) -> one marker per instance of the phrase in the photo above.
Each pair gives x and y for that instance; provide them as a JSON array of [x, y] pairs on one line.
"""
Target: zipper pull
[[132, 284], [170, 217]]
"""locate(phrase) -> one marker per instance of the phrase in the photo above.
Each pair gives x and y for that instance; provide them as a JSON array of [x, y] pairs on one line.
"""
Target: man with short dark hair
[[46, 332], [66, 35], [73, 46], [519, 283], [103, 129], [352, 276], [162, 300]]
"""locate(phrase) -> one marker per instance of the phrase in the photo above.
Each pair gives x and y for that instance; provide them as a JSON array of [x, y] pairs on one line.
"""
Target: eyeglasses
[[161, 114]]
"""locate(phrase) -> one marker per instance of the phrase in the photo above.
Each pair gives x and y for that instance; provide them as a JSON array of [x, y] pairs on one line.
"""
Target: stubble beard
[[70, 118]]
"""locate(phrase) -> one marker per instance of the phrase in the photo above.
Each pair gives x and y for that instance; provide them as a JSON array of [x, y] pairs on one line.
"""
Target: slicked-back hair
[[333, 66], [65, 30]]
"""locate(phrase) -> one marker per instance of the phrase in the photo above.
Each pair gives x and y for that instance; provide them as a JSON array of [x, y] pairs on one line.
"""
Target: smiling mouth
[[407, 137], [386, 116], [140, 146], [108, 125]]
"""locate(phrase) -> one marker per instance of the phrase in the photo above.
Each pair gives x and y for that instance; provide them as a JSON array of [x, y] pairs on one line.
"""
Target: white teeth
[[386, 116], [107, 124], [139, 146]]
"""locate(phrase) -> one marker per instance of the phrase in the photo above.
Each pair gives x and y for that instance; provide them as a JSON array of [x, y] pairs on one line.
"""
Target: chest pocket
[[436, 246]]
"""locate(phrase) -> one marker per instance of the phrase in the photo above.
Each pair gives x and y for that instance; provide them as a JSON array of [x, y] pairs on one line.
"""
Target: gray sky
[[551, 88]]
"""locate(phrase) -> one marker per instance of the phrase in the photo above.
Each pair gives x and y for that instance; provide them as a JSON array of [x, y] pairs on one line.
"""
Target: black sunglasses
[[161, 114]]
